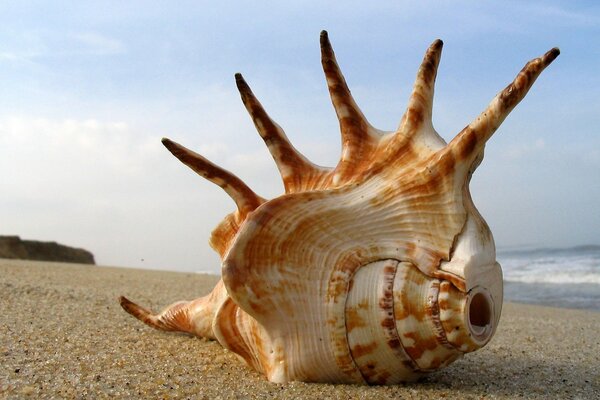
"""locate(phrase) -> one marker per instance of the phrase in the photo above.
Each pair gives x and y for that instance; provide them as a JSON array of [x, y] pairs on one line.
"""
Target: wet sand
[[64, 335]]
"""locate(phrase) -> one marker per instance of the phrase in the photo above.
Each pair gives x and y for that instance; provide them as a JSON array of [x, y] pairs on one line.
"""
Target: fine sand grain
[[64, 335]]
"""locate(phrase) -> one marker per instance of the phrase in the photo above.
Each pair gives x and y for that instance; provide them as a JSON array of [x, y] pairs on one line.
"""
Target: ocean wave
[[576, 267], [564, 277]]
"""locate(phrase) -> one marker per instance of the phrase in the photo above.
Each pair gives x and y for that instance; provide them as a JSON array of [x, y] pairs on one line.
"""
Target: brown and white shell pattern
[[374, 271]]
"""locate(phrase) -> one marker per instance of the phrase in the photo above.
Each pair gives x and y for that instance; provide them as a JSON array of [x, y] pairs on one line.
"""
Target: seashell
[[376, 271]]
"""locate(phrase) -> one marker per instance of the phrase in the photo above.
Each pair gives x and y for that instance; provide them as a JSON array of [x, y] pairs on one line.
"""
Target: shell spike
[[420, 104], [245, 199], [290, 162], [469, 143], [194, 317], [173, 318], [357, 134]]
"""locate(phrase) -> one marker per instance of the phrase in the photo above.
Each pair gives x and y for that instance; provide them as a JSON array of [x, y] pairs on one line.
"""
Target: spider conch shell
[[375, 271]]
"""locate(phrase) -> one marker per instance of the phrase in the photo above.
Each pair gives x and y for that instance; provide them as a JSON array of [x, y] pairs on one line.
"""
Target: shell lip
[[480, 315]]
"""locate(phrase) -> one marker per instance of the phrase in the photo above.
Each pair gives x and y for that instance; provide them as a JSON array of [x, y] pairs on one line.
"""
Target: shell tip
[[169, 144], [551, 55], [324, 40], [125, 303], [240, 82]]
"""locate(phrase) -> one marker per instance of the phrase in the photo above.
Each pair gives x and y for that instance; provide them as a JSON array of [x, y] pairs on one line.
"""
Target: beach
[[63, 334]]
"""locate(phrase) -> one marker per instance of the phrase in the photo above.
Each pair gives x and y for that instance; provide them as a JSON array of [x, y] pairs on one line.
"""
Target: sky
[[88, 89]]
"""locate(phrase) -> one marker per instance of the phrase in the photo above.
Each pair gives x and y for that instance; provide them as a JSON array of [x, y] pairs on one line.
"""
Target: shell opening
[[480, 315]]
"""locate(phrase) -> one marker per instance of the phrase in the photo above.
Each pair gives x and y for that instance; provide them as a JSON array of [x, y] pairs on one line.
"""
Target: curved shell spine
[[374, 271]]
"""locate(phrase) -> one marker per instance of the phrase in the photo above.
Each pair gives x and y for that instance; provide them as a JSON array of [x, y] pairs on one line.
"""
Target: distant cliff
[[14, 247]]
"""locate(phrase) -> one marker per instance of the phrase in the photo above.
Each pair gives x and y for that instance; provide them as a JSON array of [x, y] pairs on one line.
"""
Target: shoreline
[[63, 334]]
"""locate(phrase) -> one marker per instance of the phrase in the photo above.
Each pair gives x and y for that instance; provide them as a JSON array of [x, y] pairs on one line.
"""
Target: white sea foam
[[572, 266], [554, 278]]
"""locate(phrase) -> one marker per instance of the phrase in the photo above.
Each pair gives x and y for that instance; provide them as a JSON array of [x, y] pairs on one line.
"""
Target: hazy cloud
[[562, 15], [520, 150], [97, 44]]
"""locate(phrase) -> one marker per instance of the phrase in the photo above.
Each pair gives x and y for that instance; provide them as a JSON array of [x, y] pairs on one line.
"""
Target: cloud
[[592, 157], [105, 186], [562, 15], [15, 56], [520, 150], [56, 146], [35, 45], [97, 44]]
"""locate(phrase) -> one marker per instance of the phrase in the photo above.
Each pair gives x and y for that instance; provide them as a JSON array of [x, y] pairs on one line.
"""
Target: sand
[[64, 335]]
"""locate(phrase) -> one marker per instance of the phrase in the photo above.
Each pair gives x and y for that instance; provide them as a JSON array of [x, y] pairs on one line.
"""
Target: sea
[[557, 277]]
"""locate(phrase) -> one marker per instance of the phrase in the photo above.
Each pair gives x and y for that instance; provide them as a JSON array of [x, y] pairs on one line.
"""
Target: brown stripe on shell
[[149, 318], [470, 141], [354, 318], [297, 172], [239, 333], [174, 318], [415, 309], [359, 139], [245, 199], [227, 328], [337, 291], [453, 317], [420, 104], [433, 310], [456, 280], [374, 343], [223, 235], [194, 317], [456, 319]]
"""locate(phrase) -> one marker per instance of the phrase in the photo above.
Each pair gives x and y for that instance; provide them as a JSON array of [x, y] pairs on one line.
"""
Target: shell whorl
[[373, 271]]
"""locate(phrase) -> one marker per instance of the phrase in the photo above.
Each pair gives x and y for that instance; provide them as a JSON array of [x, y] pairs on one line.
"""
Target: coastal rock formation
[[15, 248]]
